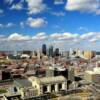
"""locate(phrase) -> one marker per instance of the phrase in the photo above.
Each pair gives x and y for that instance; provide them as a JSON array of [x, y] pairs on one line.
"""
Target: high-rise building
[[44, 49], [56, 52], [51, 51], [78, 52], [66, 54], [88, 54], [35, 53]]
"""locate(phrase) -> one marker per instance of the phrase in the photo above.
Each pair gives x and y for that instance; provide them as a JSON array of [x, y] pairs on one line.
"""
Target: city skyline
[[27, 24]]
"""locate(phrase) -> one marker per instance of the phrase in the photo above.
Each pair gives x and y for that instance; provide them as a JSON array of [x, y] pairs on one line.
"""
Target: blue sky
[[26, 24]]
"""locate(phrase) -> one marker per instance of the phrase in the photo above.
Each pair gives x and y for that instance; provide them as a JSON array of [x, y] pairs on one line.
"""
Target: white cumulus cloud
[[58, 14], [87, 35], [18, 6], [63, 40], [40, 36], [63, 36], [22, 24], [83, 5], [36, 22], [18, 37], [35, 6], [8, 25]]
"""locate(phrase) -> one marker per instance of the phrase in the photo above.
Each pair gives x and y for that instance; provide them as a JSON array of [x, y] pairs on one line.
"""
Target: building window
[[60, 86], [44, 89], [15, 89], [52, 87]]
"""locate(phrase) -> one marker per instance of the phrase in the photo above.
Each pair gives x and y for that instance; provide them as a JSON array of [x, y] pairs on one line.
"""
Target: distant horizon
[[40, 49]]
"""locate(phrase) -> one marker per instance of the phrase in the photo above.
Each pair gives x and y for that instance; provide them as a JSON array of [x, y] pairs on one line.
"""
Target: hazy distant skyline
[[27, 24]]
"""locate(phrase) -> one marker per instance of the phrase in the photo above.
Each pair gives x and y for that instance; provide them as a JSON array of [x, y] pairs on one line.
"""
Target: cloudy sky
[[26, 24]]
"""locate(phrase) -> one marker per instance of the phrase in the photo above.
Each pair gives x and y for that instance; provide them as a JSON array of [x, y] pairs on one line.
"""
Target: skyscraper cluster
[[51, 52]]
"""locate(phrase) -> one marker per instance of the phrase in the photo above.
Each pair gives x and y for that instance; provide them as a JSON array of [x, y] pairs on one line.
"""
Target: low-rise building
[[49, 84], [93, 77], [25, 88]]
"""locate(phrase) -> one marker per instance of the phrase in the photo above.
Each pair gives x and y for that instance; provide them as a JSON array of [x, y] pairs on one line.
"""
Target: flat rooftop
[[52, 79], [22, 83]]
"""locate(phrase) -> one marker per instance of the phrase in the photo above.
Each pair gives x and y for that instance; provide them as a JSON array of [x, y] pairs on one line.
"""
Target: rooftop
[[96, 70], [22, 83], [52, 79]]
